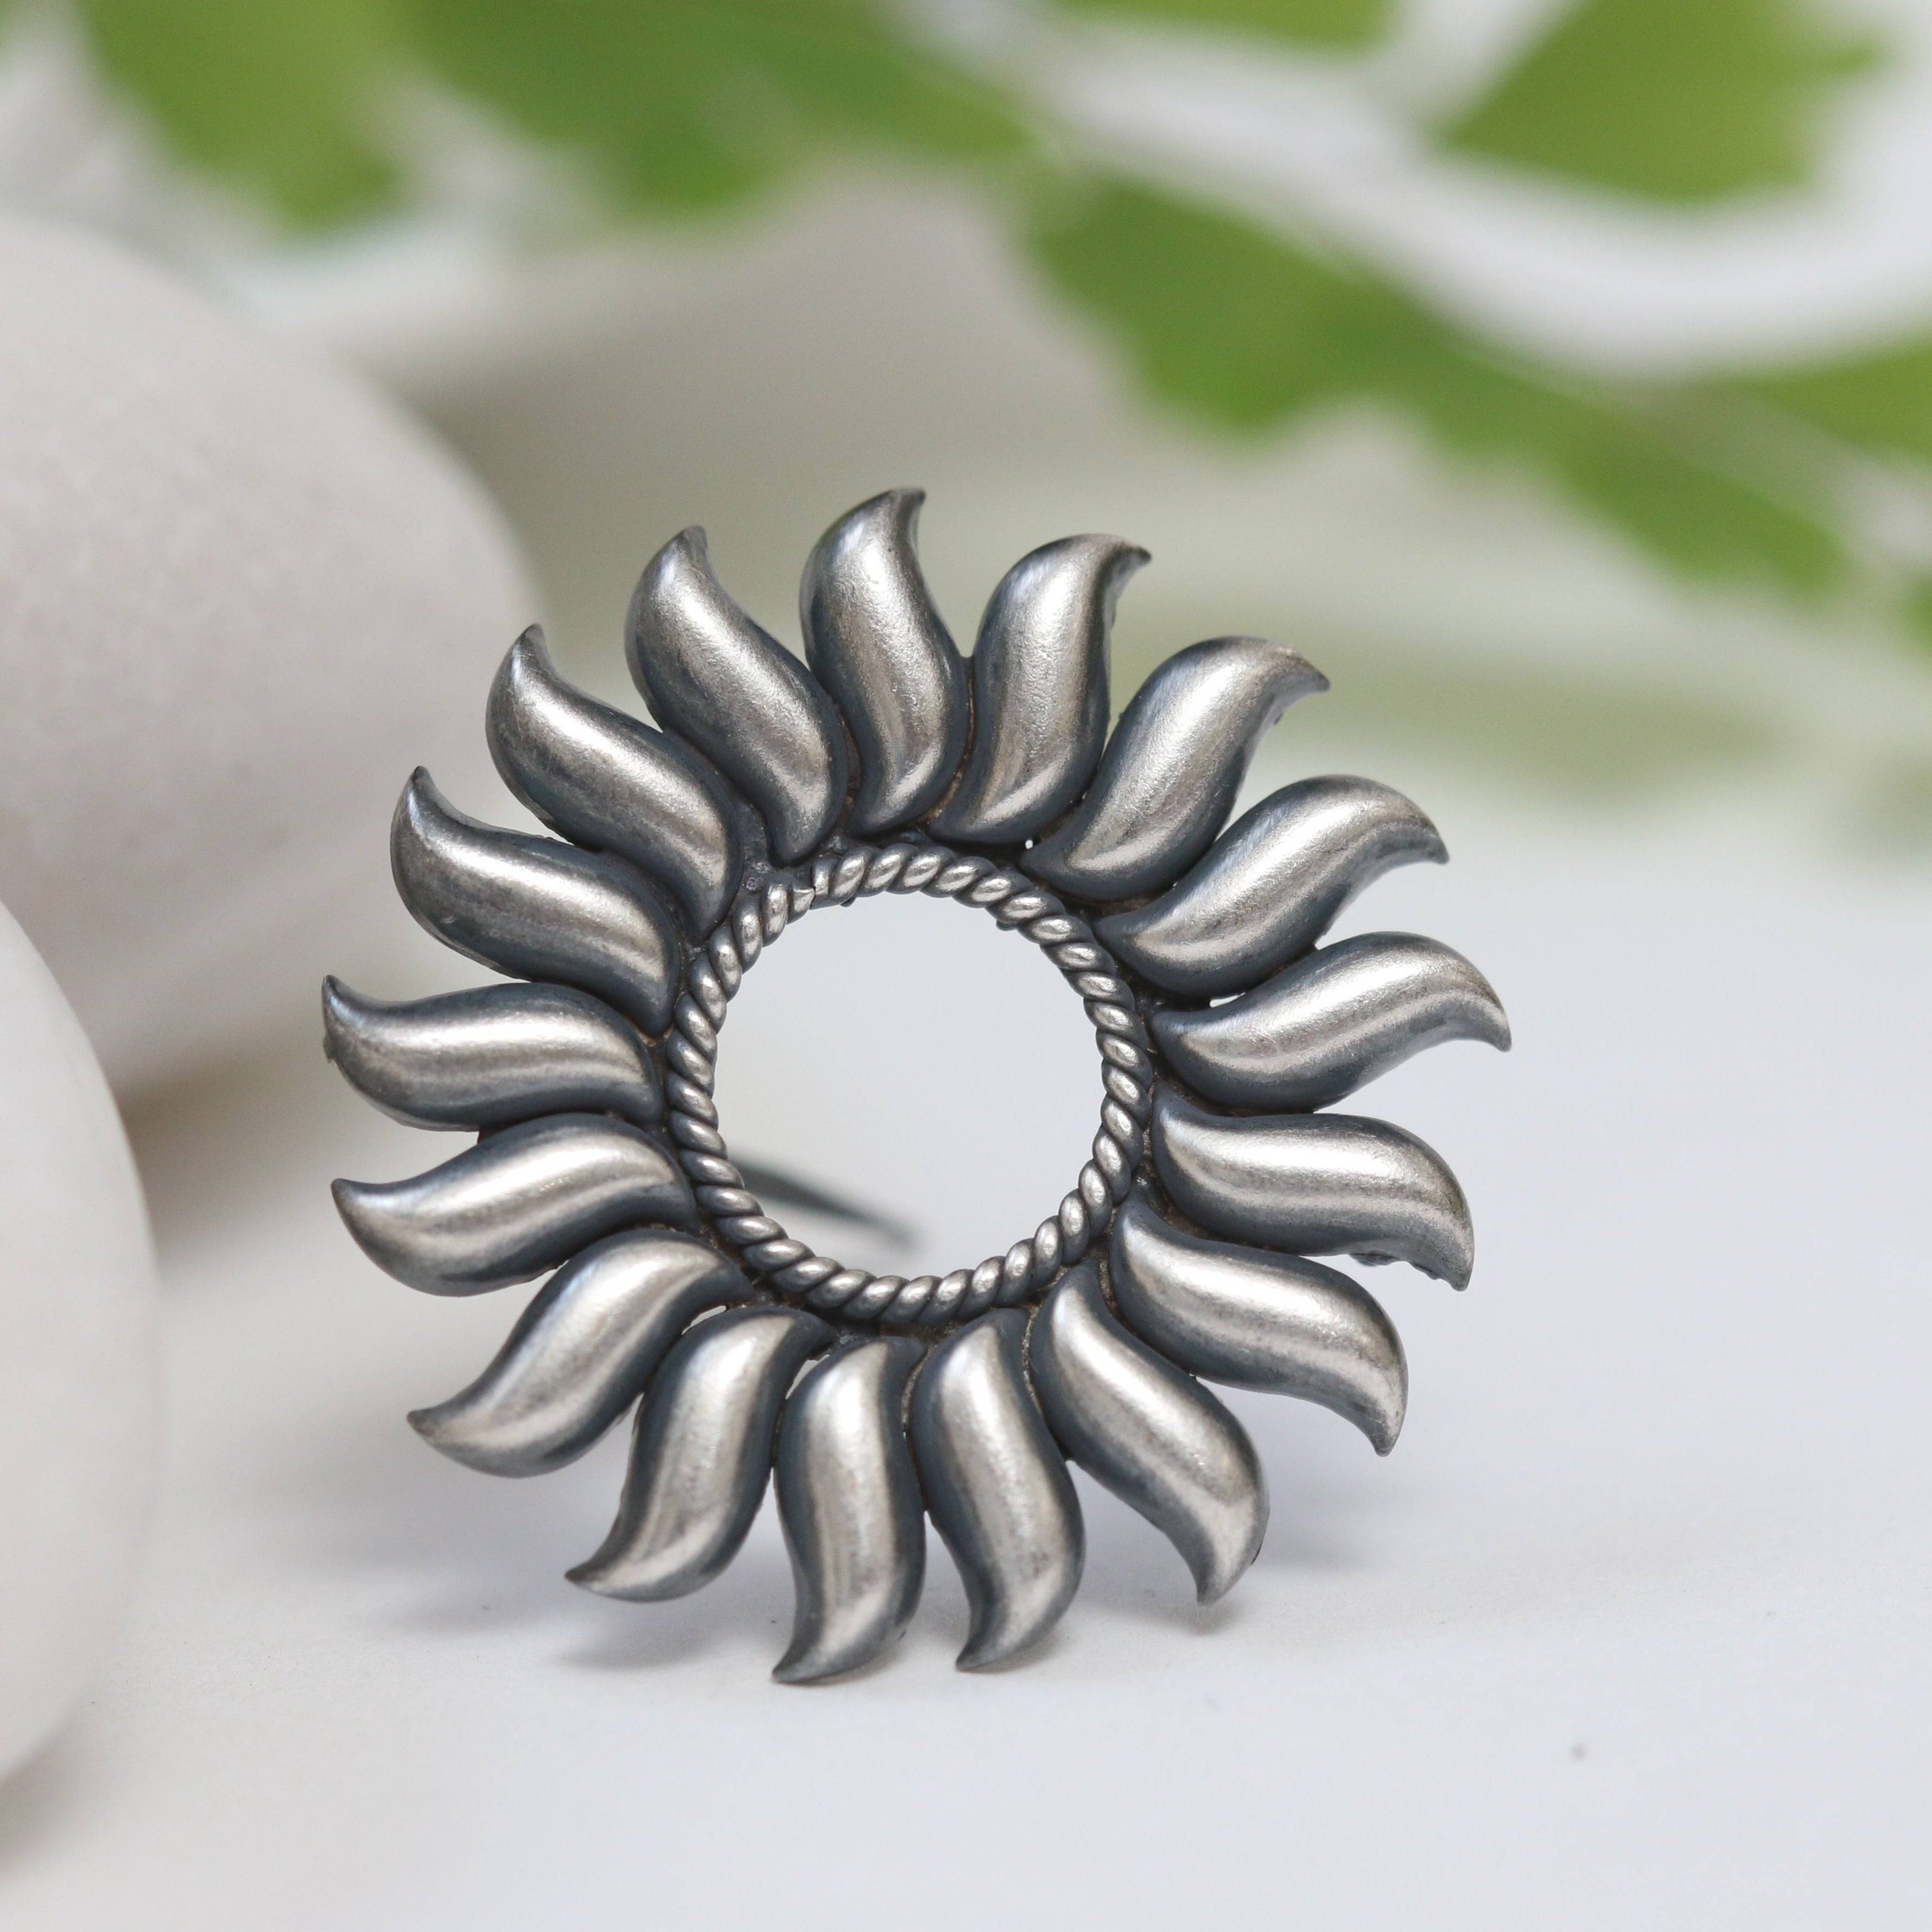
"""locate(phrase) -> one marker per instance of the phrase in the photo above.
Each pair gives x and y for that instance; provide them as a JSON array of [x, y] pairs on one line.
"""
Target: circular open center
[[915, 1062], [910, 1021]]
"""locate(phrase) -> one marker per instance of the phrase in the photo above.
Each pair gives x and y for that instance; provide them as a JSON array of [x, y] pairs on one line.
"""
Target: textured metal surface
[[525, 1199], [1272, 886], [1039, 690], [1315, 1184], [1152, 1434], [1171, 770], [490, 1056], [701, 1454], [997, 1488], [1026, 1267], [849, 1503], [713, 676], [878, 645], [614, 784], [1331, 1022], [535, 908], [1255, 1320], [581, 1352], [1180, 1248]]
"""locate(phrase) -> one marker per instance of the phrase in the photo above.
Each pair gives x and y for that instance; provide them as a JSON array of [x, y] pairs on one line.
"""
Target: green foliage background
[[681, 108]]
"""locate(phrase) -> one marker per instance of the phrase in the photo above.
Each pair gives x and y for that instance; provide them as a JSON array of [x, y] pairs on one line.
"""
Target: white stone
[[78, 1374], [242, 596]]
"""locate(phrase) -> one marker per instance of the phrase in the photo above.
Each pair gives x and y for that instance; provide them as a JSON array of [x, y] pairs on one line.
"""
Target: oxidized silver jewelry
[[1179, 1251]]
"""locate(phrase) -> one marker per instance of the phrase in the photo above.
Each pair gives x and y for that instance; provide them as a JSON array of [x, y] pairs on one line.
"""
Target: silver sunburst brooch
[[891, 765]]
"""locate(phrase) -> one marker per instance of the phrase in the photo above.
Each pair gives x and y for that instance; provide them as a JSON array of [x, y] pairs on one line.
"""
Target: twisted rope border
[[837, 875]]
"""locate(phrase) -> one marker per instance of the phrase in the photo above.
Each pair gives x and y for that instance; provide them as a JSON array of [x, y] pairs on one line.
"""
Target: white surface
[[79, 1357], [1630, 1630], [237, 589]]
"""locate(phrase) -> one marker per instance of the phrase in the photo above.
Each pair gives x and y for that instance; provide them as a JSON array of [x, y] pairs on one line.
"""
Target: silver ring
[[1181, 1254], [837, 875]]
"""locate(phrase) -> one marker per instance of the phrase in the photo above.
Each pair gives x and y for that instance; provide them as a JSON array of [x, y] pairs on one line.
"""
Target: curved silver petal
[[880, 646], [1315, 1184], [1271, 885], [712, 675], [849, 1501], [997, 1487], [613, 784], [1039, 690], [1172, 768], [1258, 1321], [701, 1452], [1331, 1022], [490, 1056], [516, 1204], [584, 1347], [534, 907], [1153, 1435]]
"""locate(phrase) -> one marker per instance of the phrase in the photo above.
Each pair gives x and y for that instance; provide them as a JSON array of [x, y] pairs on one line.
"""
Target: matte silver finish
[[878, 645], [701, 1454], [686, 852], [516, 1204], [1173, 767], [614, 784], [996, 1488], [534, 907], [850, 1504], [490, 1056], [1258, 1321], [580, 1352], [1272, 885], [1039, 690], [1332, 1021], [1029, 1265], [1315, 1184], [1153, 1435], [712, 675]]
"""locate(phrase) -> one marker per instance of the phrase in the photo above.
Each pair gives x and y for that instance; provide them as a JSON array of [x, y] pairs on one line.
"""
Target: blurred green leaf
[[1686, 99], [1332, 23], [1919, 611], [275, 98], [685, 105], [1589, 732], [682, 105], [1881, 401], [1246, 330]]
